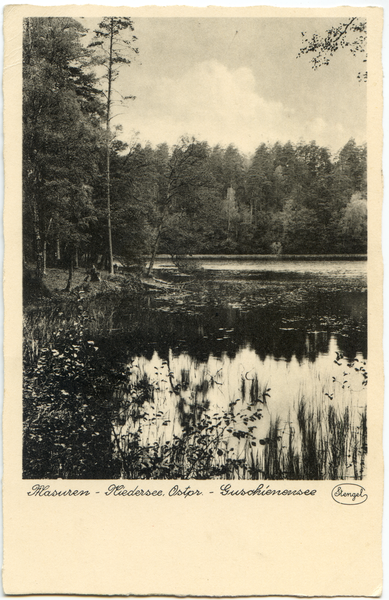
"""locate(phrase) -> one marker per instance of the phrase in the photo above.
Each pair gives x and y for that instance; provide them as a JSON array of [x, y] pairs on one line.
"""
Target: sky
[[238, 81]]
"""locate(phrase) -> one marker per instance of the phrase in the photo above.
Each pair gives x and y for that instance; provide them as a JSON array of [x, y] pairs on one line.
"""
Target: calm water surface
[[336, 268], [219, 349]]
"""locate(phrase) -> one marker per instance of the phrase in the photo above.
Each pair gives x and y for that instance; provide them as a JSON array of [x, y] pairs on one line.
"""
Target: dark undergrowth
[[78, 394]]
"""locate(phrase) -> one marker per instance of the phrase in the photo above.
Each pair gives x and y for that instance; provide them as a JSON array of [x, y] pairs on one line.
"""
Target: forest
[[88, 197], [201, 373]]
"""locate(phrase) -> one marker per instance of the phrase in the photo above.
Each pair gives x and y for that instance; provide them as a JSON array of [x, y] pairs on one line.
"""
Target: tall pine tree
[[113, 49]]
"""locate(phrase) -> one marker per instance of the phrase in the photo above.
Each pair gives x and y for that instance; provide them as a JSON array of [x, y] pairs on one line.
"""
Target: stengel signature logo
[[349, 493]]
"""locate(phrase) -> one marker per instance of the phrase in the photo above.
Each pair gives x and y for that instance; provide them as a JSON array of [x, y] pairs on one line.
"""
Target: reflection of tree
[[351, 344], [317, 342], [303, 332]]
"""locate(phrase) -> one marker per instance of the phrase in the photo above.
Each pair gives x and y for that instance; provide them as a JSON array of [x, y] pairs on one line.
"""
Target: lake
[[336, 266], [285, 340]]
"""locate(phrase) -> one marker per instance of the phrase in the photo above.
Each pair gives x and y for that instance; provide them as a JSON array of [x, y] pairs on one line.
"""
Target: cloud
[[222, 106]]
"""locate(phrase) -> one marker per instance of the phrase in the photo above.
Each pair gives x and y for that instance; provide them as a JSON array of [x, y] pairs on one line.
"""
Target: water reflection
[[209, 360], [257, 411], [213, 356], [303, 333]]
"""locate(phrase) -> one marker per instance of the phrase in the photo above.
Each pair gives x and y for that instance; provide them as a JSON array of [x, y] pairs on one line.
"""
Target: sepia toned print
[[195, 294], [193, 301]]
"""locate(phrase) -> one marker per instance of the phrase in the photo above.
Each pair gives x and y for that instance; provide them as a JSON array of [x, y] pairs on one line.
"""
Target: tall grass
[[325, 443]]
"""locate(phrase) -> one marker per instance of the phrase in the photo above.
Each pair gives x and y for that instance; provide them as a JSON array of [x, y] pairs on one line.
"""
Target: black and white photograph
[[193, 301], [195, 248]]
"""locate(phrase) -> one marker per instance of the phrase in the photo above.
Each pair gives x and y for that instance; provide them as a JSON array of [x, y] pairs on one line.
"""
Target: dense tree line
[[192, 198]]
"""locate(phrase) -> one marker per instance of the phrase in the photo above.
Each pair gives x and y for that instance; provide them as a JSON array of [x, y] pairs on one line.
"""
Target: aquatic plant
[[324, 443], [200, 444]]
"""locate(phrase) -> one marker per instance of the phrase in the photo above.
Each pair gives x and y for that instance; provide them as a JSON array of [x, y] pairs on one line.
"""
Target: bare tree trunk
[[109, 214], [38, 242], [108, 150], [251, 211], [154, 251], [71, 270], [58, 251], [46, 233], [44, 256], [76, 259], [156, 242]]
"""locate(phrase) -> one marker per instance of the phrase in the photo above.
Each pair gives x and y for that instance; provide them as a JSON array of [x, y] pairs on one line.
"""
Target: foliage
[[353, 224], [350, 35], [201, 451], [77, 176], [183, 182], [66, 414], [61, 136]]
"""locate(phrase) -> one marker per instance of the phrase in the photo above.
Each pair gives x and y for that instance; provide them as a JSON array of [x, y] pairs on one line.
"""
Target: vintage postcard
[[193, 301]]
